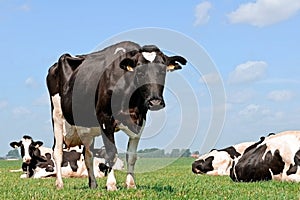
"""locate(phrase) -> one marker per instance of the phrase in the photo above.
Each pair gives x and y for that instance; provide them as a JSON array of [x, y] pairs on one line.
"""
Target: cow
[[219, 162], [100, 154], [38, 161], [31, 153], [103, 92], [275, 157]]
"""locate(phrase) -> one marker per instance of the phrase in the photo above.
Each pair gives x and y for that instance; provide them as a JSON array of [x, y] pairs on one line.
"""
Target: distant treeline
[[12, 154], [143, 153], [160, 153]]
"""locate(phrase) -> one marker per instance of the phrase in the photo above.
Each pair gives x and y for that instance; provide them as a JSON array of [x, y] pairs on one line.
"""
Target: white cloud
[[261, 114], [281, 81], [249, 110], [3, 104], [253, 110], [249, 71], [202, 13], [211, 78], [31, 82], [264, 12], [242, 96], [21, 111], [280, 95]]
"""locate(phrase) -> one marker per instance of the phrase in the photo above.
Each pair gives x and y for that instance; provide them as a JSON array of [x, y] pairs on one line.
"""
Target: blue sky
[[253, 44]]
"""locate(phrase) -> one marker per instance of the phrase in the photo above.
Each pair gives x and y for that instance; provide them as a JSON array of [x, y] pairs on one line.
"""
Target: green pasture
[[172, 179]]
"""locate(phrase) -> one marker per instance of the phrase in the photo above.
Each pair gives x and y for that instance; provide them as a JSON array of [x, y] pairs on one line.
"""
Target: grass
[[170, 180]]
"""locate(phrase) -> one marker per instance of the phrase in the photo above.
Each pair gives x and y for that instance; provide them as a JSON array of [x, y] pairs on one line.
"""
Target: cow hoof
[[59, 186], [111, 182], [130, 184], [93, 186], [111, 187]]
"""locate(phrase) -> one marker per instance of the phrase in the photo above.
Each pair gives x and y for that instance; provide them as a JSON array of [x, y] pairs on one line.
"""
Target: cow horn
[[129, 68]]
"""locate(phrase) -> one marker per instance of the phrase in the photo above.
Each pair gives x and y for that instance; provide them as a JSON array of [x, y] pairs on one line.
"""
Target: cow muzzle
[[197, 167], [26, 160], [196, 170], [155, 104]]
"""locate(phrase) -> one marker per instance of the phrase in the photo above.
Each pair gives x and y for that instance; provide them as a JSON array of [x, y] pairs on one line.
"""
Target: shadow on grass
[[157, 188]]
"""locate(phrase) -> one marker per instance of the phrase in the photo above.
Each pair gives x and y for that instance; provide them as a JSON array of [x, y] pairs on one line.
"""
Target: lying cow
[[275, 157], [38, 161], [99, 156], [218, 162], [31, 153]]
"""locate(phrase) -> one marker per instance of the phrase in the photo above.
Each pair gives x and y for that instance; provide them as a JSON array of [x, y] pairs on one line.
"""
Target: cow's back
[[242, 147], [45, 150]]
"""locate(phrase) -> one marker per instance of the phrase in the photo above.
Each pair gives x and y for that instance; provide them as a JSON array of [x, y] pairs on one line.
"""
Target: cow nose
[[26, 160], [156, 104], [196, 168]]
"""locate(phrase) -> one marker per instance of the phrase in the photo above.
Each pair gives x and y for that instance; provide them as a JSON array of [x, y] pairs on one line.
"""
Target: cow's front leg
[[57, 155], [58, 151], [58, 128], [131, 157], [111, 156]]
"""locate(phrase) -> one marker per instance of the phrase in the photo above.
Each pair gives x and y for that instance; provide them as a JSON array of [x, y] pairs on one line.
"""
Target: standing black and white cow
[[103, 92], [219, 161], [274, 157]]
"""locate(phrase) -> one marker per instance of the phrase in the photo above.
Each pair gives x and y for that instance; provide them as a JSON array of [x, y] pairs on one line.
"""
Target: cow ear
[[173, 63], [127, 64], [15, 144], [37, 144], [70, 61]]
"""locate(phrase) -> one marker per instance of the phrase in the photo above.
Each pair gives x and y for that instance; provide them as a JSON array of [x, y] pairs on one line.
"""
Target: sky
[[251, 47]]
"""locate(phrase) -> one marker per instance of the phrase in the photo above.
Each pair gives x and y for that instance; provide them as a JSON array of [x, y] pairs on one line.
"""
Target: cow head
[[202, 166], [216, 162], [149, 66], [29, 148]]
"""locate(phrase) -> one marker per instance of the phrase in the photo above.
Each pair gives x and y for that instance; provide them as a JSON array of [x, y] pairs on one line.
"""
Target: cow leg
[[58, 127], [131, 157], [111, 157], [58, 155], [88, 159]]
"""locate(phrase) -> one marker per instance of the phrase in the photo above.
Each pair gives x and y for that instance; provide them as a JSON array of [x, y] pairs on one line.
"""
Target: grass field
[[174, 181]]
